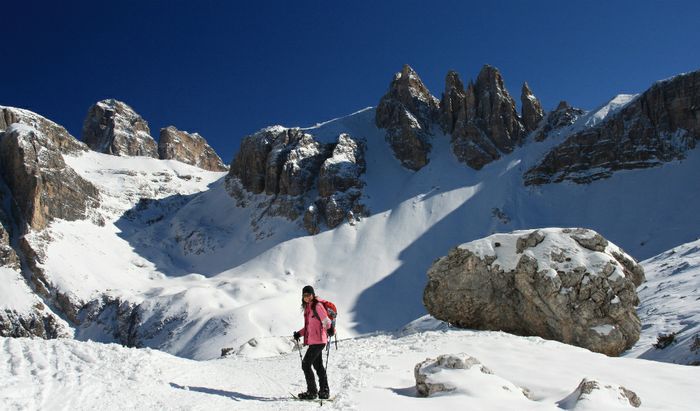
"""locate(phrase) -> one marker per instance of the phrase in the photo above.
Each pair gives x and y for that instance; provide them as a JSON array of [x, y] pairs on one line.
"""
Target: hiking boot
[[324, 395], [308, 395]]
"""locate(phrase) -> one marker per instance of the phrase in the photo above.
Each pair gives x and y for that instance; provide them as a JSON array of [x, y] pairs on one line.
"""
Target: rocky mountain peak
[[453, 106], [112, 127], [407, 112], [496, 110], [193, 149], [532, 111]]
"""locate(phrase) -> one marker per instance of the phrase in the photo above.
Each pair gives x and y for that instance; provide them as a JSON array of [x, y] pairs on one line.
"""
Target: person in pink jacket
[[316, 322]]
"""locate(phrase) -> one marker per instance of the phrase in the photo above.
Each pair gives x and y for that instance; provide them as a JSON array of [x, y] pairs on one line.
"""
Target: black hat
[[308, 290]]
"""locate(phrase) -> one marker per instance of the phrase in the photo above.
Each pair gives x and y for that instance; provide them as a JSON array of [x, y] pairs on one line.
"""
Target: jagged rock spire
[[453, 106], [531, 108], [406, 111]]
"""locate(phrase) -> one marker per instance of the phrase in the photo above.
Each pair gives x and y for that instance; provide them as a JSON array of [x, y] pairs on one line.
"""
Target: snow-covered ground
[[368, 373]]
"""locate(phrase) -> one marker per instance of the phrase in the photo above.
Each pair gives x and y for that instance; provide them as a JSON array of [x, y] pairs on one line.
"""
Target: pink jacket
[[314, 330]]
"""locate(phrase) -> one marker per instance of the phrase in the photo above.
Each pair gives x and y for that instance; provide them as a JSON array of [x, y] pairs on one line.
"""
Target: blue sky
[[226, 69]]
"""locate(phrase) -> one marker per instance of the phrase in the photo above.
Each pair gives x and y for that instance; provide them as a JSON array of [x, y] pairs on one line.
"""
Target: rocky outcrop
[[569, 285], [340, 185], [36, 323], [592, 394], [57, 135], [112, 127], [193, 149], [659, 126], [407, 112], [532, 112], [289, 166], [558, 119], [491, 126], [42, 185]]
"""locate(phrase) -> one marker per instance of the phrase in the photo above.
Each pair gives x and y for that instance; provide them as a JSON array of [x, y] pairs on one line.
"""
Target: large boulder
[[659, 126], [112, 127], [570, 285], [193, 149], [407, 112], [43, 186]]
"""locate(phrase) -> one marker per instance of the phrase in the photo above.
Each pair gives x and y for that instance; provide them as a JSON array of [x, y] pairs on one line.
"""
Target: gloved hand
[[297, 335]]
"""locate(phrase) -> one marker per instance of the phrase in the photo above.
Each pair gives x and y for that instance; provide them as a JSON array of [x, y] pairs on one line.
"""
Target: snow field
[[365, 373]]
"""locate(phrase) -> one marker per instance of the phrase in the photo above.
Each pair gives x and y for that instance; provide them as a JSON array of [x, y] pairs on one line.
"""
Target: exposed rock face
[[492, 125], [532, 111], [36, 323], [56, 134], [453, 106], [42, 185], [8, 256], [562, 116], [407, 112], [193, 149], [112, 127], [659, 126], [569, 285], [339, 183], [288, 165]]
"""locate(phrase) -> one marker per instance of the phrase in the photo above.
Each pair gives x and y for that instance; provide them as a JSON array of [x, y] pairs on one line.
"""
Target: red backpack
[[332, 314]]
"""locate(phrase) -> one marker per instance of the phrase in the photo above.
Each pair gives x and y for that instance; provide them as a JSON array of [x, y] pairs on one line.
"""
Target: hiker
[[316, 322]]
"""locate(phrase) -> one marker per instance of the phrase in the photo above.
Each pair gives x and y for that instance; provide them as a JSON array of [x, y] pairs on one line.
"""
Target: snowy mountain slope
[[671, 305], [205, 276], [369, 373]]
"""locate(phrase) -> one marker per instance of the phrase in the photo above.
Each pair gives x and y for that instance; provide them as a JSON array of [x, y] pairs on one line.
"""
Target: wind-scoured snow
[[369, 373]]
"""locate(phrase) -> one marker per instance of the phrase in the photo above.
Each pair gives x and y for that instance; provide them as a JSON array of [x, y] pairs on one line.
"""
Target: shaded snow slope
[[369, 373], [206, 279], [670, 304]]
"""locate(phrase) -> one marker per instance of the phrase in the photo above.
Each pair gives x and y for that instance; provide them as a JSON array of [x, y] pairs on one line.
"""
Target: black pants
[[314, 356]]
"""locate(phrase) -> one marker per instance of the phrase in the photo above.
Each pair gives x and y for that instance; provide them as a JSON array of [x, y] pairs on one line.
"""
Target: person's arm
[[323, 315]]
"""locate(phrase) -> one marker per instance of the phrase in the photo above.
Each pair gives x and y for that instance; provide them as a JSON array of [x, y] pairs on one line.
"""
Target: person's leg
[[312, 353], [321, 371]]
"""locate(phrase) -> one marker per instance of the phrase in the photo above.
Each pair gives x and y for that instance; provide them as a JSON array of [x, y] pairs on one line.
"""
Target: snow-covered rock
[[570, 285], [593, 395], [451, 372]]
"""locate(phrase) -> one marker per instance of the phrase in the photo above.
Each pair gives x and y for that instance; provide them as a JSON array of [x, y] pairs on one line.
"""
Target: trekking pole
[[299, 349], [328, 353]]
